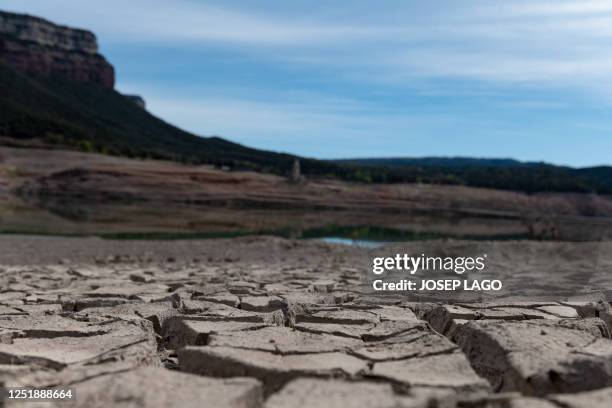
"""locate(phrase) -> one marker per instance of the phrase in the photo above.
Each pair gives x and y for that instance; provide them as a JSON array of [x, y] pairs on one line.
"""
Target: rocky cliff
[[38, 47], [137, 100]]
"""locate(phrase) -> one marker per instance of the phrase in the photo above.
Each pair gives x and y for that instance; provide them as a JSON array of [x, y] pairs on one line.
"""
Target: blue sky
[[530, 80]]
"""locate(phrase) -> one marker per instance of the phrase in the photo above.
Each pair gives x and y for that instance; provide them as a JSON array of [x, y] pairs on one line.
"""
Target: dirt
[[270, 322], [66, 192]]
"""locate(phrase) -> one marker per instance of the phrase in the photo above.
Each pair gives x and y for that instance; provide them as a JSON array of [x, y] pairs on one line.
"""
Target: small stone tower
[[296, 172]]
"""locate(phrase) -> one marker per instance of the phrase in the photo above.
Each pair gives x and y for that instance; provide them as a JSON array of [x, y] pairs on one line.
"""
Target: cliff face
[[137, 100], [38, 47]]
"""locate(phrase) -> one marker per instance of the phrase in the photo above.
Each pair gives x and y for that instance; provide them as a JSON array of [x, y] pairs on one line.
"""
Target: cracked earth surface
[[290, 327]]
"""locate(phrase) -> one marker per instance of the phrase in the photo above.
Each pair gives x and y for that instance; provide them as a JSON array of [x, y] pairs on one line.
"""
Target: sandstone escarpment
[[38, 47]]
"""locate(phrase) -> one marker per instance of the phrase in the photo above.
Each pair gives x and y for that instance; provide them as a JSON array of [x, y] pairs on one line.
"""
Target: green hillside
[[87, 117], [505, 174]]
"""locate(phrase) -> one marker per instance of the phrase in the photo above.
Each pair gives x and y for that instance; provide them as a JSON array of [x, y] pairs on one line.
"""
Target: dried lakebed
[[274, 323]]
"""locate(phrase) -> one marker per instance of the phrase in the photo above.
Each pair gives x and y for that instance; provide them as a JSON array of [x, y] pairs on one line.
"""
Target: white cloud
[[491, 66], [566, 42], [314, 129], [180, 20], [295, 123], [556, 8]]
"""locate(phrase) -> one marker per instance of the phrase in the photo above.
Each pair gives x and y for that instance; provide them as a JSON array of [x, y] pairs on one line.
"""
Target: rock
[[394, 313], [50, 326], [156, 313], [273, 370], [76, 305], [446, 318], [339, 317], [442, 318], [179, 331], [283, 340], [388, 329], [343, 330], [520, 313], [128, 290], [141, 278], [590, 399], [226, 299], [38, 47], [6, 310], [539, 357], [316, 393], [526, 402], [40, 308], [416, 343], [243, 287], [308, 300], [446, 371], [261, 303], [137, 100], [605, 314], [323, 286], [7, 335], [57, 348], [560, 311], [217, 311], [277, 289], [506, 400], [151, 387]]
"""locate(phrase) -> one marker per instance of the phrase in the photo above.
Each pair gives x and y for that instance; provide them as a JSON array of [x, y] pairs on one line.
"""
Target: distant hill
[[439, 162], [57, 112], [505, 174]]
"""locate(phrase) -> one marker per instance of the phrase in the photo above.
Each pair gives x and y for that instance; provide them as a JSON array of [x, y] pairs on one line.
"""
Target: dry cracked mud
[[292, 330]]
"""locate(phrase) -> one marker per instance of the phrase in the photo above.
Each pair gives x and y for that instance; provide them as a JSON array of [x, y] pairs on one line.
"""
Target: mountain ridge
[[456, 161], [62, 107]]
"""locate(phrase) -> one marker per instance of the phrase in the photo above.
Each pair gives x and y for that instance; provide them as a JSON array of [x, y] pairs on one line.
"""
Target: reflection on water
[[353, 242], [374, 234], [374, 237], [368, 228]]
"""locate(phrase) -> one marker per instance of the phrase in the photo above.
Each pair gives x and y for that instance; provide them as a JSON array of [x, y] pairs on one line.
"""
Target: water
[[151, 221], [352, 242]]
